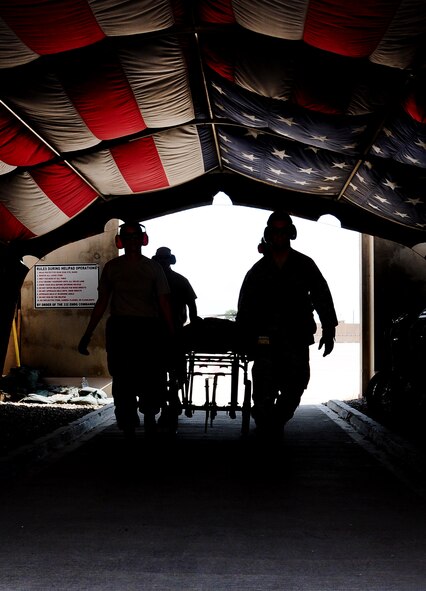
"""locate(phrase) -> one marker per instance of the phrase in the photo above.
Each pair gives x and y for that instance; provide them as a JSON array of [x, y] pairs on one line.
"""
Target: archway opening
[[216, 245]]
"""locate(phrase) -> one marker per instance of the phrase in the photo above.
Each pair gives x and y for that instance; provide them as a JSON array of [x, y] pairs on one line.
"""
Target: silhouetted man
[[183, 303], [275, 315], [138, 330]]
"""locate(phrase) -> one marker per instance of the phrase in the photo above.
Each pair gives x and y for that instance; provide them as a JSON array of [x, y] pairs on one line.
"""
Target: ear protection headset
[[142, 230], [262, 246], [281, 216]]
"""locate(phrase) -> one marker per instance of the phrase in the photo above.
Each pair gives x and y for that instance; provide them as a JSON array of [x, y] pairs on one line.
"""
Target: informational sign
[[66, 286]]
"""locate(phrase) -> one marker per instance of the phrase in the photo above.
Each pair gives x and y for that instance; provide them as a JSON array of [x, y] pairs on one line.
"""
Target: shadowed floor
[[213, 511]]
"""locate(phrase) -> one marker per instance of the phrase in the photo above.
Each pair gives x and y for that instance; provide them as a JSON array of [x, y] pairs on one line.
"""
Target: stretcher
[[213, 353]]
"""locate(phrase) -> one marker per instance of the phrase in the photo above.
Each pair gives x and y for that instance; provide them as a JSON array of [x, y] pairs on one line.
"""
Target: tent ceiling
[[110, 108]]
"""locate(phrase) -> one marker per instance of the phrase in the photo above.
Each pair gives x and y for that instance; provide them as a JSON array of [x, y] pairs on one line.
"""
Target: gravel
[[22, 423]]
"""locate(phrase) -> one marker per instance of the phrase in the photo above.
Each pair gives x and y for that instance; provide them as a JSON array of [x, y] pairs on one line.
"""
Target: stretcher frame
[[213, 366]]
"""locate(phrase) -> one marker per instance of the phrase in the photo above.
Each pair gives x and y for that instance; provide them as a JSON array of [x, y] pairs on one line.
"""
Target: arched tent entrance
[[51, 332]]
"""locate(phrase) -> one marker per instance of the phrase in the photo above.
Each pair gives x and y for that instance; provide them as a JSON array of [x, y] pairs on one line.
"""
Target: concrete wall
[[49, 337], [399, 286], [345, 332]]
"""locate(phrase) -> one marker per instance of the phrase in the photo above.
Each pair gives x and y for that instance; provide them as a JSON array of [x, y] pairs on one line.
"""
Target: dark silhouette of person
[[275, 317], [139, 329], [183, 306], [182, 294]]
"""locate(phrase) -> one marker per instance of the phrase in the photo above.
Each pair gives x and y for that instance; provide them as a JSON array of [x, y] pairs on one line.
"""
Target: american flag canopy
[[316, 107]]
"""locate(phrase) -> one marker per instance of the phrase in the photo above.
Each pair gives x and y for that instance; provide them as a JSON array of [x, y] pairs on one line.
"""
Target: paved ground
[[212, 511]]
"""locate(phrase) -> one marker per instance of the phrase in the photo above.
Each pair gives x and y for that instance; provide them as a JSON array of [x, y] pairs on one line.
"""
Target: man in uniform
[[275, 315]]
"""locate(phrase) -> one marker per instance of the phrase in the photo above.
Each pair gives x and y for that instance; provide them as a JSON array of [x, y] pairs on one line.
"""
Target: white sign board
[[66, 286]]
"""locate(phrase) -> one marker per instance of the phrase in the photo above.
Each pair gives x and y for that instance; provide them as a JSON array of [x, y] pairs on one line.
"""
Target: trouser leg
[[152, 393], [286, 405], [124, 395], [135, 353], [280, 376], [172, 407], [292, 382], [153, 390], [264, 391]]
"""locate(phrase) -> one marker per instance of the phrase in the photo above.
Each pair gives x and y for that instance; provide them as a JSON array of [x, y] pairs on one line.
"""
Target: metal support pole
[[367, 310], [12, 275]]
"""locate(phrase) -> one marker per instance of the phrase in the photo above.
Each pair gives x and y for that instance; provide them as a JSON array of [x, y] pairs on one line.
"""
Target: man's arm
[[328, 318], [327, 341], [190, 296], [323, 303], [192, 309]]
